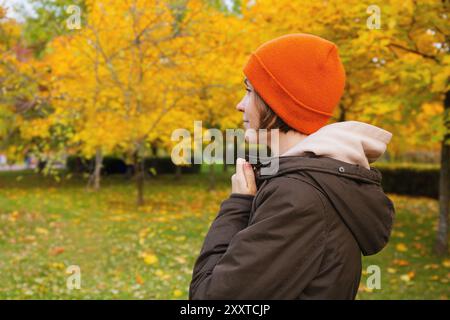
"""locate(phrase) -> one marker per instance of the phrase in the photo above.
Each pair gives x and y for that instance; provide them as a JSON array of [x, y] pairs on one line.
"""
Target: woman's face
[[250, 112]]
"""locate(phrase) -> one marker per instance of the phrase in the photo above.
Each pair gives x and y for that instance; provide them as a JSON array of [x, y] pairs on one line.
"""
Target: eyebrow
[[246, 83]]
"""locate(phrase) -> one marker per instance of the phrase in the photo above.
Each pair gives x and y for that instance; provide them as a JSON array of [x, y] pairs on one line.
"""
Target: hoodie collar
[[348, 141]]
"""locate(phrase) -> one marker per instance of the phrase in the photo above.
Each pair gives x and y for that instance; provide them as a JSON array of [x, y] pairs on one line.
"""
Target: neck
[[287, 140]]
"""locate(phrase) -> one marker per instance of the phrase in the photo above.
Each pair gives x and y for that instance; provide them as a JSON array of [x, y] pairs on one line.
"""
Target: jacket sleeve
[[274, 257]]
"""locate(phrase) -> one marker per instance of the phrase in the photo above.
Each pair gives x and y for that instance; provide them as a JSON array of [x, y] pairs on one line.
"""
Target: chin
[[251, 135]]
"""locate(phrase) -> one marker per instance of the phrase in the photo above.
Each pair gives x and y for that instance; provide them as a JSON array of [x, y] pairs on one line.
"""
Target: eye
[[248, 90]]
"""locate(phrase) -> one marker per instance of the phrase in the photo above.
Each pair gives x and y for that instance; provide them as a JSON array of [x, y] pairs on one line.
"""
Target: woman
[[298, 233]]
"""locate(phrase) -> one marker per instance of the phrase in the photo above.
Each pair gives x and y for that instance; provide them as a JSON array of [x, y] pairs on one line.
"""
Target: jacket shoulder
[[287, 191]]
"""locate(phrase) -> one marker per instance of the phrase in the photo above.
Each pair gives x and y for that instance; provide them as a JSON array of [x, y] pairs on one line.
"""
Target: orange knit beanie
[[300, 76]]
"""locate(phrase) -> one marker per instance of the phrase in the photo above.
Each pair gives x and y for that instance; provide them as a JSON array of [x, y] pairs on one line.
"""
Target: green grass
[[125, 252]]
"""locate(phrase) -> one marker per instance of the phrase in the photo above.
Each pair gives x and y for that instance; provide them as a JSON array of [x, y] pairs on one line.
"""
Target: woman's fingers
[[240, 168], [250, 178], [243, 181]]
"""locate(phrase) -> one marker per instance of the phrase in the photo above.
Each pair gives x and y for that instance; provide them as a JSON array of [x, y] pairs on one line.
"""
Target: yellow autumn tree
[[127, 78], [23, 95]]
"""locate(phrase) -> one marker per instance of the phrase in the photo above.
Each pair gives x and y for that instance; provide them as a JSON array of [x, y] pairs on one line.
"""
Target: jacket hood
[[352, 187], [349, 141]]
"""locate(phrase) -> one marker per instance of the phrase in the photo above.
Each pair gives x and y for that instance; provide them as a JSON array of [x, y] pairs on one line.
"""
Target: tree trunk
[[98, 168], [177, 172], [342, 113], [41, 165], [94, 178], [441, 244], [139, 175], [154, 150]]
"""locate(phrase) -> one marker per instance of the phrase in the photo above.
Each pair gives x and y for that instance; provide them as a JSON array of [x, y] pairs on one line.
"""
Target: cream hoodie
[[349, 141]]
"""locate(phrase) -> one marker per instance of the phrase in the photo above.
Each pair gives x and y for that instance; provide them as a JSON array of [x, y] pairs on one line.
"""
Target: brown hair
[[268, 119]]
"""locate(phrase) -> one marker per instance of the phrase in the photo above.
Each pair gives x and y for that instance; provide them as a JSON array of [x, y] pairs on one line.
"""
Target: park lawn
[[125, 252]]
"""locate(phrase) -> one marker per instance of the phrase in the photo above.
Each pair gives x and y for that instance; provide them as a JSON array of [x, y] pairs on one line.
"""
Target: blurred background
[[91, 92]]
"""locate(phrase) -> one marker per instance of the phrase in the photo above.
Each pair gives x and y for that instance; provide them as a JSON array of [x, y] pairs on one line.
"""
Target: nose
[[240, 106]]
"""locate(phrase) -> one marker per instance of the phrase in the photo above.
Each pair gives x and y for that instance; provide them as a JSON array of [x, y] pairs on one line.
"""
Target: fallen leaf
[[57, 265], [181, 260], [405, 278], [401, 262], [149, 258], [14, 216], [41, 231], [56, 251], [446, 263], [391, 270], [401, 247], [177, 293], [139, 279], [398, 234]]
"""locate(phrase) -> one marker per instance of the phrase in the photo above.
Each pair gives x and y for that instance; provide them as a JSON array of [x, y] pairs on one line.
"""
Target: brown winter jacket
[[300, 237]]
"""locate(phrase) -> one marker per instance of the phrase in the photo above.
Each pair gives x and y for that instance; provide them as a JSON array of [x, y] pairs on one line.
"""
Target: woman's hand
[[243, 181]]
